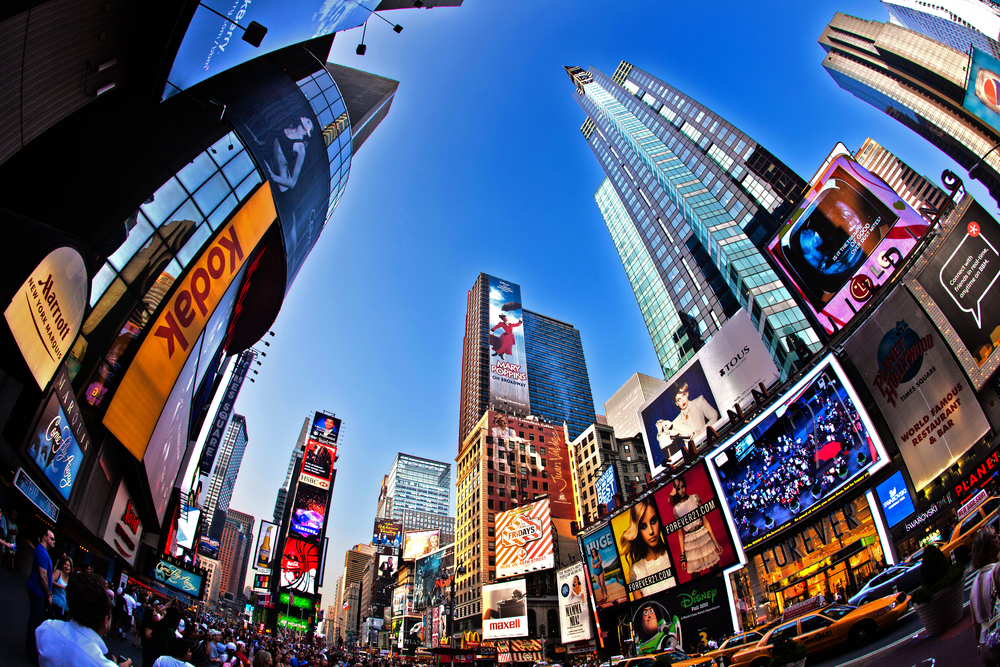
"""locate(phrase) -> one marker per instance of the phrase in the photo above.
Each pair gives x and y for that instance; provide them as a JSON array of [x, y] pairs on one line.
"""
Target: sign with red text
[[524, 540], [979, 477], [505, 610], [124, 530]]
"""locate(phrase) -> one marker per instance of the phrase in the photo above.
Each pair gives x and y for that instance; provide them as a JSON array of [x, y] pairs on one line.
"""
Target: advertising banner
[[187, 526], [508, 362], [895, 499], [432, 578], [387, 533], [505, 610], [805, 450], [607, 488], [124, 529], [683, 616], [642, 544], [607, 578], [208, 547], [524, 540], [267, 540], [982, 93], [308, 512], [417, 543], [54, 448], [317, 464], [261, 582], [918, 386], [402, 600], [694, 524], [299, 562], [410, 634], [385, 571], [845, 240], [574, 612], [179, 576], [723, 373], [325, 430]]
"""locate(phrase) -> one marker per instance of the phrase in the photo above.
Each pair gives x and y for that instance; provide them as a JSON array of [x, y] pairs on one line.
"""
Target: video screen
[[417, 543], [308, 512], [299, 562]]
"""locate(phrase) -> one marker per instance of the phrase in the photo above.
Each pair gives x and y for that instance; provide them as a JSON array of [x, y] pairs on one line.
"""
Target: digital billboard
[[524, 540], [432, 578], [385, 571], [683, 617], [722, 374], [261, 582], [505, 610], [208, 547], [54, 447], [845, 240], [606, 487], [694, 525], [387, 533], [187, 526], [308, 511], [918, 387], [607, 578], [299, 562], [982, 93], [179, 576], [804, 450], [508, 361], [267, 541], [574, 616], [124, 529], [417, 543], [402, 600], [317, 464], [895, 498], [325, 430], [642, 544]]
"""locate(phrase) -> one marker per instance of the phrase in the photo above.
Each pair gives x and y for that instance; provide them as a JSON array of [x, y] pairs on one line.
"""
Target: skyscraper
[[559, 385], [227, 468], [688, 200], [416, 483], [917, 191], [293, 464], [916, 80], [234, 553], [957, 23]]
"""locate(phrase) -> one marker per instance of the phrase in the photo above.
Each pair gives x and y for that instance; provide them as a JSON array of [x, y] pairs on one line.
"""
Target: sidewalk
[[14, 621]]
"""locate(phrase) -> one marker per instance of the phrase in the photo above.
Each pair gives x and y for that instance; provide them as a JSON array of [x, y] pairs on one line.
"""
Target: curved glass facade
[[328, 104]]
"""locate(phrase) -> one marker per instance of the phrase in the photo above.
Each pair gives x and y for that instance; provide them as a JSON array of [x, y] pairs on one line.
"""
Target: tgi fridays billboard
[[524, 540]]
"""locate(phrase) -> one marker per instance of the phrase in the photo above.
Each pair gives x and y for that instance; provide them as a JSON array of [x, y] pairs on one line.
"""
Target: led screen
[[187, 526], [385, 572], [799, 454], [895, 498], [982, 94], [317, 464], [54, 448], [417, 543], [308, 511], [299, 562]]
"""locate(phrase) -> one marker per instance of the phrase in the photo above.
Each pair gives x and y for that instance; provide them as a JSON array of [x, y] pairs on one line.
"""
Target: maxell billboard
[[922, 393], [505, 610], [508, 361]]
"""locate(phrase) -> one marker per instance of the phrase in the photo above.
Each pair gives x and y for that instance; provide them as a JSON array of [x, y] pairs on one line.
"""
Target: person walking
[[60, 579], [39, 591]]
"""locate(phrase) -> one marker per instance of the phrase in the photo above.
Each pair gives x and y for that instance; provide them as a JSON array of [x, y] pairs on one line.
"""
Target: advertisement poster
[[961, 279], [607, 578], [298, 565], [208, 547], [325, 430], [317, 464], [308, 512], [385, 569], [387, 533], [918, 386], [187, 526], [895, 499], [124, 528], [267, 540], [417, 543], [175, 574], [845, 240], [505, 610], [607, 488], [508, 363], [723, 373], [54, 448], [402, 600], [642, 544], [524, 540], [982, 95], [432, 578], [574, 611], [695, 526], [682, 617], [815, 441]]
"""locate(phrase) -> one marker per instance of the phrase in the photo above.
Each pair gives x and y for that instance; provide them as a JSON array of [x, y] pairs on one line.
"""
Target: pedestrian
[[60, 579], [39, 591], [262, 659], [78, 642], [178, 655], [984, 595]]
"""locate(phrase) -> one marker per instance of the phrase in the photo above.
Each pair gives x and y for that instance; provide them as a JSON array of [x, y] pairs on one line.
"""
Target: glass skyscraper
[[420, 484], [558, 385], [957, 23], [227, 468], [688, 200]]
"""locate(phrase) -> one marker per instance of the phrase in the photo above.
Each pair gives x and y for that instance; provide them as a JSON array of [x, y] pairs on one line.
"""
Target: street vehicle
[[725, 652], [677, 657], [918, 555], [904, 577], [960, 540], [828, 628]]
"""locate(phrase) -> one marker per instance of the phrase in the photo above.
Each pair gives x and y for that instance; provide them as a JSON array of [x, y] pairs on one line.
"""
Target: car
[[959, 542], [902, 577], [827, 628], [725, 652], [675, 655], [918, 555]]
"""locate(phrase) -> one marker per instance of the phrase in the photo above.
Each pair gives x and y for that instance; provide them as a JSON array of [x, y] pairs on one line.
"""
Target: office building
[[559, 385], [593, 452], [916, 80], [355, 562], [957, 23], [227, 469], [416, 483], [234, 552], [914, 189], [622, 409], [384, 507], [294, 461], [688, 200], [416, 520]]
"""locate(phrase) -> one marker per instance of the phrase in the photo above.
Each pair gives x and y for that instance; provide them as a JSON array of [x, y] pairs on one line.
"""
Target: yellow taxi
[[676, 656], [826, 628], [960, 540], [723, 655]]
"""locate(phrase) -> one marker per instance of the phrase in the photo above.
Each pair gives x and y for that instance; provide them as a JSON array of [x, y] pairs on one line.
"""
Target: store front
[[837, 551]]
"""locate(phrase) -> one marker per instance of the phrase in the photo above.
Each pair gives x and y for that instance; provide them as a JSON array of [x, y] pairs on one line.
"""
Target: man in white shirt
[[180, 654], [77, 642]]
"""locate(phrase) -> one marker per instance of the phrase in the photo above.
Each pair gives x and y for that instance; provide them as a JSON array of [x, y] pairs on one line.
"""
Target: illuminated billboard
[[317, 464], [606, 487], [54, 448], [385, 569], [895, 498], [299, 563], [574, 616], [308, 512], [432, 579], [417, 543], [803, 451], [267, 541], [683, 616], [918, 387], [845, 240], [124, 530], [607, 578], [387, 533], [144, 390], [524, 540], [982, 94], [179, 576], [722, 374], [505, 610], [187, 526], [325, 429], [642, 543], [508, 361]]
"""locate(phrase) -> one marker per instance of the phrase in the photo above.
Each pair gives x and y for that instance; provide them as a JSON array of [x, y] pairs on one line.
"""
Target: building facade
[[227, 469], [916, 80], [234, 552], [416, 483], [417, 520], [596, 450], [688, 199], [957, 23], [915, 190], [622, 409]]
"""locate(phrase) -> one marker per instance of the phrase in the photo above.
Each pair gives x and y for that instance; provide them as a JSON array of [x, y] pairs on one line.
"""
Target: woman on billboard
[[597, 567], [504, 343], [699, 549], [644, 548]]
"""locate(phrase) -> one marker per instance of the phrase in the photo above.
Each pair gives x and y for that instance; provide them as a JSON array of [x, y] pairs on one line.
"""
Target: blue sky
[[480, 166]]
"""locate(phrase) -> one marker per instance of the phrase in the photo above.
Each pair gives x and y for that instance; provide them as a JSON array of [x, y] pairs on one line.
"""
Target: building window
[[503, 506], [545, 486]]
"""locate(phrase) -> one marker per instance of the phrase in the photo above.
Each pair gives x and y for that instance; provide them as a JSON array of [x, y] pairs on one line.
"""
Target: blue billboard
[[895, 498], [213, 43], [607, 487], [54, 448]]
